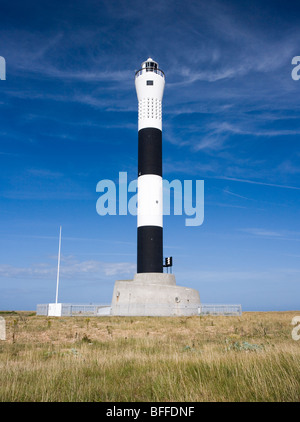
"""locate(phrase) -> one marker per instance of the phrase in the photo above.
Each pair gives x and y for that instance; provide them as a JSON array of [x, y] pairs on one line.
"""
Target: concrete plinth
[[153, 294], [54, 309]]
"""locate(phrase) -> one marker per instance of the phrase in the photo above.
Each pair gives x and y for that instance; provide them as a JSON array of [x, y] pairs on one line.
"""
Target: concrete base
[[153, 294], [54, 309]]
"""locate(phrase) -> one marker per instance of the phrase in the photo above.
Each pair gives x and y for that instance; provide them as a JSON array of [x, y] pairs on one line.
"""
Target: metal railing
[[220, 309], [144, 70], [69, 309], [144, 309], [178, 309]]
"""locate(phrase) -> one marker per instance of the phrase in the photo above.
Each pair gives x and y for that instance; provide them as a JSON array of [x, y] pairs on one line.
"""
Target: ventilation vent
[[150, 108]]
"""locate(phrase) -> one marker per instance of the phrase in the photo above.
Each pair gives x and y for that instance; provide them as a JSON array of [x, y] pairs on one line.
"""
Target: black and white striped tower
[[150, 83]]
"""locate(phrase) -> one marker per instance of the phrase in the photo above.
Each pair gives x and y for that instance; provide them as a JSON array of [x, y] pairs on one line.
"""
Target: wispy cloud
[[45, 173], [255, 182], [288, 167], [234, 194], [218, 133], [70, 269], [272, 234], [230, 128], [277, 275]]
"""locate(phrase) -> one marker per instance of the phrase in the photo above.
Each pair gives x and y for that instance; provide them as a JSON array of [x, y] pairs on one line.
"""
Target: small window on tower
[[149, 82]]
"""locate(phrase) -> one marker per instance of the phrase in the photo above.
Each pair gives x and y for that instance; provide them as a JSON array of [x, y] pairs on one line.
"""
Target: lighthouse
[[151, 292], [149, 84]]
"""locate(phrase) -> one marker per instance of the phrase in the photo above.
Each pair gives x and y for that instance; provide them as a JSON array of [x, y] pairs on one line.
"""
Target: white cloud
[[272, 234], [255, 182], [265, 276], [70, 268]]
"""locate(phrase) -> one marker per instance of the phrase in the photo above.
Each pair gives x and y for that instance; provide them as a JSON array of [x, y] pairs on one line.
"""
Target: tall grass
[[248, 358]]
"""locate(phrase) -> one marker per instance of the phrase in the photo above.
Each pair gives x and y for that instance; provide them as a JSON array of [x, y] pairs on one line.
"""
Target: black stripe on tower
[[150, 238], [150, 151], [150, 249]]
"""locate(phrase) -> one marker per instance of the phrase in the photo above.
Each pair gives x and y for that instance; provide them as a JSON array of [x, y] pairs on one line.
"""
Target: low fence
[[217, 309], [178, 309], [69, 309], [42, 309]]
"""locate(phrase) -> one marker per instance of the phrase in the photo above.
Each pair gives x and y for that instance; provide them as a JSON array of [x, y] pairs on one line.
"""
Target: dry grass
[[247, 358]]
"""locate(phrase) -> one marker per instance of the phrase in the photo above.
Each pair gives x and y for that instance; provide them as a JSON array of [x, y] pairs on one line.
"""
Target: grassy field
[[181, 359]]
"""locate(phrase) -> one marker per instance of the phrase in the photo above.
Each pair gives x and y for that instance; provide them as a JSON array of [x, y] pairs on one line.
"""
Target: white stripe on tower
[[149, 83], [150, 200]]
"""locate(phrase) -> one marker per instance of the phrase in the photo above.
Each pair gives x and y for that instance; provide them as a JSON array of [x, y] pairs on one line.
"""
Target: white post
[[58, 264], [2, 329]]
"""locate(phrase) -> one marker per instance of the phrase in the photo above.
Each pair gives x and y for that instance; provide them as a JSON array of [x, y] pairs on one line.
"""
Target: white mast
[[58, 264]]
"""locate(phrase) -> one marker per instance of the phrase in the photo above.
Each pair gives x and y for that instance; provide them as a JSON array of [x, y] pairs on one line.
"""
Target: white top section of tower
[[150, 84]]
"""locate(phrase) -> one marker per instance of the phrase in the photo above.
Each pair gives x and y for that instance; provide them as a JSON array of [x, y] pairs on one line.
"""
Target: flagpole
[[58, 265]]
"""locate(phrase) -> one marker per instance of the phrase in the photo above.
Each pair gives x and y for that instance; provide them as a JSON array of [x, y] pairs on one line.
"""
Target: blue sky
[[68, 119]]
